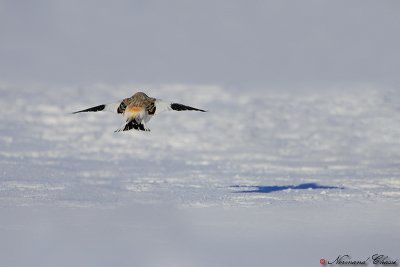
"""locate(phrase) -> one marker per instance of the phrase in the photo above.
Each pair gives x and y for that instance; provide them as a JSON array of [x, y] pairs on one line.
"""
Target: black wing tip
[[92, 109], [201, 110], [180, 107]]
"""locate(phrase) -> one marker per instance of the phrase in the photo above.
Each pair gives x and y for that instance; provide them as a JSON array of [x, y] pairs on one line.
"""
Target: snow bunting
[[138, 110]]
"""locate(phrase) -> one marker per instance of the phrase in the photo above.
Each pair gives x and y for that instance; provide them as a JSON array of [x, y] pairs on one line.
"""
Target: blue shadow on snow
[[275, 188]]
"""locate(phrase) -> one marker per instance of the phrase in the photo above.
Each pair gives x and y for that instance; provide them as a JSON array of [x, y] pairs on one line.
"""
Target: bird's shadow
[[276, 188]]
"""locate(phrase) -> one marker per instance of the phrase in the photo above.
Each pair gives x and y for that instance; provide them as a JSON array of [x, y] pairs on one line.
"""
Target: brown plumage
[[139, 99]]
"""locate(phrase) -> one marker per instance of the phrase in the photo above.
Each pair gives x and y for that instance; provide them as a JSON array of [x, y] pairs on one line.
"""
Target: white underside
[[113, 107], [162, 106]]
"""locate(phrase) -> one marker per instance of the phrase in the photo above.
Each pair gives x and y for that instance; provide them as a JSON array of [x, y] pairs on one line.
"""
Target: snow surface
[[265, 178]]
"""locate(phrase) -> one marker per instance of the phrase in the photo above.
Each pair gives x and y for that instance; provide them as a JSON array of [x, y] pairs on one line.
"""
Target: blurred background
[[236, 44]]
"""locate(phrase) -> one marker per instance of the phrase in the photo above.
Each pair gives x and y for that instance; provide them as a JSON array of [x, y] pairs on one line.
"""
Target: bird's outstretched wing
[[92, 109], [162, 106], [180, 107], [112, 107]]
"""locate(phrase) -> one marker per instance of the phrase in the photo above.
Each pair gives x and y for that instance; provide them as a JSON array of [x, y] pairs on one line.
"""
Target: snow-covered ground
[[265, 178]]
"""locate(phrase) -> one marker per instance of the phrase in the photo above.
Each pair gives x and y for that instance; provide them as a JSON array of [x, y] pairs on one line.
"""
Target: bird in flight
[[138, 109]]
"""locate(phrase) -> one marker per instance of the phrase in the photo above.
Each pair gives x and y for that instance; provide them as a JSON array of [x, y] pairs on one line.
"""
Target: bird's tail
[[132, 125]]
